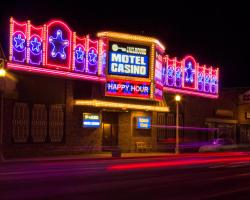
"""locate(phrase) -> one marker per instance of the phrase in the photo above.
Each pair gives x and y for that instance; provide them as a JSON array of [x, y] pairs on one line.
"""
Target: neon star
[[170, 72], [213, 81], [79, 54], [92, 57], [189, 73], [59, 45], [178, 73], [200, 77], [19, 42], [35, 45], [207, 79]]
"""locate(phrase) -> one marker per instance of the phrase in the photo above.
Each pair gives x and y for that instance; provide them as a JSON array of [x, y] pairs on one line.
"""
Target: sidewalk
[[96, 156]]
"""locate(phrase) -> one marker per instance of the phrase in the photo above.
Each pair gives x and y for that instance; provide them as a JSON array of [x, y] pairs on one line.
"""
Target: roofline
[[128, 36]]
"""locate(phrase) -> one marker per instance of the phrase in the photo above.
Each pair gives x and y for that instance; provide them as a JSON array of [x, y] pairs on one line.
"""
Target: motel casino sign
[[130, 66], [128, 60]]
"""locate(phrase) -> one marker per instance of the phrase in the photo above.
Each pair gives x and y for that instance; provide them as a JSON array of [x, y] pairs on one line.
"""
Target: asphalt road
[[189, 176]]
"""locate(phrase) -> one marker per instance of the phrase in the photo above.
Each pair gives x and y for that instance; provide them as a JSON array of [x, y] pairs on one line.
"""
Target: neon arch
[[58, 45], [92, 56], [189, 72], [36, 44], [79, 54], [18, 41]]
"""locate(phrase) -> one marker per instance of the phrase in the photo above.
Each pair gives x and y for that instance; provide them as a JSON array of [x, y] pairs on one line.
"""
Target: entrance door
[[109, 136], [106, 136], [110, 131]]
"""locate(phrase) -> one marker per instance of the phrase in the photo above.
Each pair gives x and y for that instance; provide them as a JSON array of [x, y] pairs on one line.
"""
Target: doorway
[[109, 130]]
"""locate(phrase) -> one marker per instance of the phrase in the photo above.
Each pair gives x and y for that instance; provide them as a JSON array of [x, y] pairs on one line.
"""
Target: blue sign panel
[[143, 122], [91, 120], [128, 60]]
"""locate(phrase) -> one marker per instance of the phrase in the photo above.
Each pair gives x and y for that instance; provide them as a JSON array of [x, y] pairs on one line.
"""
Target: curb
[[56, 159]]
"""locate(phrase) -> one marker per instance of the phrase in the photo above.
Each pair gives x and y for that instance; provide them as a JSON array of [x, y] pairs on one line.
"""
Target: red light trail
[[230, 157]]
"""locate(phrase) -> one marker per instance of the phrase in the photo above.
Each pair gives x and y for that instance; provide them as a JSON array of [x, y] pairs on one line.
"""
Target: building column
[[125, 131], [68, 111]]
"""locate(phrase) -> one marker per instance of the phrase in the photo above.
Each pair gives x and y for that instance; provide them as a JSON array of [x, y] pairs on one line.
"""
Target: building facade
[[74, 94]]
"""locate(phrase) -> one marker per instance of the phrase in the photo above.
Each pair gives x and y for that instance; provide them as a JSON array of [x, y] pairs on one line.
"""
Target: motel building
[[66, 93]]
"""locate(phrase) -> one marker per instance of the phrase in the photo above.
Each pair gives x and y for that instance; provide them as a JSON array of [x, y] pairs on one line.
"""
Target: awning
[[225, 121], [117, 105]]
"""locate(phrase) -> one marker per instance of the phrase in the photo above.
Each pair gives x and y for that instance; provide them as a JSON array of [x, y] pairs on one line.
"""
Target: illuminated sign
[[91, 120], [102, 56], [58, 45], [92, 64], [80, 54], [128, 60], [54, 49], [158, 68], [158, 92], [159, 71], [18, 36], [143, 122], [188, 77], [123, 88]]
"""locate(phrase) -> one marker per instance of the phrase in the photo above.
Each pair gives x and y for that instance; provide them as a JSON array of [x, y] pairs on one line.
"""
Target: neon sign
[[102, 57], [158, 67], [91, 120], [188, 77], [143, 122], [92, 57], [53, 46], [18, 41], [79, 55], [214, 81], [158, 92], [170, 73], [35, 45], [178, 74], [123, 88], [128, 60], [200, 77], [58, 51], [159, 70], [132, 65], [59, 45]]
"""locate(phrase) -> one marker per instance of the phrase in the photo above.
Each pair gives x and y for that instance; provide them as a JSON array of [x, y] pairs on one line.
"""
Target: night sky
[[215, 34]]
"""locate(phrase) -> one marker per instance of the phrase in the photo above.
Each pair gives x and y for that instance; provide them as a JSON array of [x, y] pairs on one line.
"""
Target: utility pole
[[177, 100], [2, 76]]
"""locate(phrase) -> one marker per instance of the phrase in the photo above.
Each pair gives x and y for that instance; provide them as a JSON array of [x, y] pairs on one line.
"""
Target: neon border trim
[[182, 91], [39, 70]]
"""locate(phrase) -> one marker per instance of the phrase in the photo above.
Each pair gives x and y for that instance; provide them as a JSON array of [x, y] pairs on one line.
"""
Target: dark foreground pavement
[[189, 176]]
